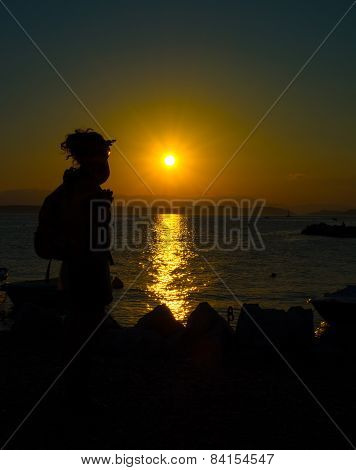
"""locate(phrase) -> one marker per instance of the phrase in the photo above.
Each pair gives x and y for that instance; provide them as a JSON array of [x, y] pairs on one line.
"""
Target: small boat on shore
[[338, 307], [43, 293], [325, 230]]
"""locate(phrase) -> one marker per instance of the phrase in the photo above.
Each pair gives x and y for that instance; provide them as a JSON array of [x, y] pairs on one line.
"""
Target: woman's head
[[90, 150]]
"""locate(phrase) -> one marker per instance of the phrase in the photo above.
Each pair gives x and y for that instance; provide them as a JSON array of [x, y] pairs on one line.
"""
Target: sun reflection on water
[[170, 252]]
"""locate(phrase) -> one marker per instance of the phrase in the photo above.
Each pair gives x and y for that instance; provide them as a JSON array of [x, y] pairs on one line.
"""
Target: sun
[[169, 160]]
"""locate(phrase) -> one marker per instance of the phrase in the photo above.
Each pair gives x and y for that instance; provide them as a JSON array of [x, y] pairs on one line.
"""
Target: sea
[[181, 260]]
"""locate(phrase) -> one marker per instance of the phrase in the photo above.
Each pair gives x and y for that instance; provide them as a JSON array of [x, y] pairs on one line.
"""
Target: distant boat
[[325, 230], [288, 214], [338, 307]]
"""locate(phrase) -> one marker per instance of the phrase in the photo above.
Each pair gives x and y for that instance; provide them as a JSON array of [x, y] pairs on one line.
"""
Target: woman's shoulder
[[77, 181]]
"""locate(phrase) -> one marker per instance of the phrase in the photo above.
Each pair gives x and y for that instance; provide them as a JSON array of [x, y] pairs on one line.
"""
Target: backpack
[[66, 220], [49, 239]]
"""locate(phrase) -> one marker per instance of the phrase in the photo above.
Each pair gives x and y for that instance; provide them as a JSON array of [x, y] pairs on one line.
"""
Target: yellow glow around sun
[[169, 160]]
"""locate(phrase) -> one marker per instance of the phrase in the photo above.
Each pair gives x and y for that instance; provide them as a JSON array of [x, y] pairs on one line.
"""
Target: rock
[[118, 341], [300, 326], [110, 324], [291, 330], [161, 321], [208, 335], [151, 344], [131, 341], [204, 319], [336, 338], [117, 283]]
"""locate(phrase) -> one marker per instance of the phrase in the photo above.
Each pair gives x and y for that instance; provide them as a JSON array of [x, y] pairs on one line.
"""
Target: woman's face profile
[[98, 165]]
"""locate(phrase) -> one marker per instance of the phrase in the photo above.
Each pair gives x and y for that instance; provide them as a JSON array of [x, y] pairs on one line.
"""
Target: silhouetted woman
[[85, 273], [69, 221]]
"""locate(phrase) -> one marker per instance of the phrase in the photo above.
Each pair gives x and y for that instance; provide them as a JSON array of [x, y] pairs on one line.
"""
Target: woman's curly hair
[[82, 145]]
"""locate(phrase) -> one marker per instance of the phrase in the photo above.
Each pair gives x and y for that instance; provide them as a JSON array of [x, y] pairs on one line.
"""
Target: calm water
[[175, 273]]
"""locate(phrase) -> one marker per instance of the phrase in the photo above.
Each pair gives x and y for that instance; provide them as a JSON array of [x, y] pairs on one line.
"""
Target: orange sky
[[185, 91]]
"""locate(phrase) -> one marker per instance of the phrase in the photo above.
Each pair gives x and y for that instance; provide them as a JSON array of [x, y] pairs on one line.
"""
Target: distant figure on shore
[[230, 314], [69, 224]]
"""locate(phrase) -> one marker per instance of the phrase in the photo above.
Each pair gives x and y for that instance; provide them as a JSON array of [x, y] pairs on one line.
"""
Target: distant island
[[23, 197], [28, 200], [331, 213], [266, 212], [19, 208]]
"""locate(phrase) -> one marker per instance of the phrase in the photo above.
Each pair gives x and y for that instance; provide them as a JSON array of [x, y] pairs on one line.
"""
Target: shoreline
[[155, 386]]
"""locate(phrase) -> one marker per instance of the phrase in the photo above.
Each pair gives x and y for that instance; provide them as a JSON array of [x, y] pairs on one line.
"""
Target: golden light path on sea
[[171, 254]]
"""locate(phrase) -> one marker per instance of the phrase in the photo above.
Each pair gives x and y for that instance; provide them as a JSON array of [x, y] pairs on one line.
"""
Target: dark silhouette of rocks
[[203, 320], [336, 339], [117, 283], [195, 396], [336, 333], [287, 330], [325, 230], [207, 338], [208, 335], [160, 320], [338, 307]]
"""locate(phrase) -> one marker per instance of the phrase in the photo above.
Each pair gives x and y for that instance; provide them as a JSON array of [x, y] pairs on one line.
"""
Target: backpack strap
[[48, 271]]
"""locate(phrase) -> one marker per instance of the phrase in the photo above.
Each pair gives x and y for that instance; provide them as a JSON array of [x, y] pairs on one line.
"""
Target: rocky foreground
[[164, 385]]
